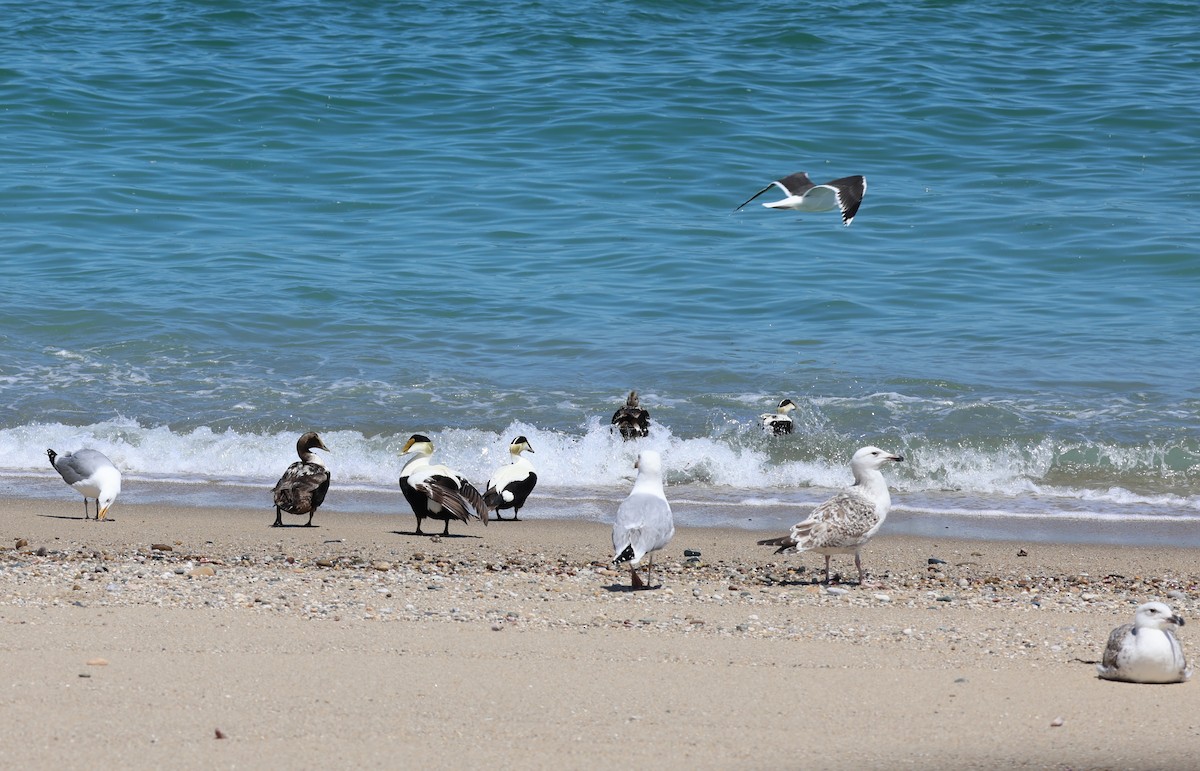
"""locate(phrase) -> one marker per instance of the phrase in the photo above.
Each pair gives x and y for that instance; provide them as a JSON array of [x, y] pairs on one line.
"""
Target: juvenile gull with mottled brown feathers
[[847, 521], [1147, 650]]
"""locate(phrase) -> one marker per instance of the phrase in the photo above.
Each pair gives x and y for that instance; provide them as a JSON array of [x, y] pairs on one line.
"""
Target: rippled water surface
[[224, 224]]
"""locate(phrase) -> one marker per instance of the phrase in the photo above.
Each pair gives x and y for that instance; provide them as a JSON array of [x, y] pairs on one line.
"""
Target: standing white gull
[[644, 522], [845, 194], [1146, 651], [303, 486], [92, 474], [436, 491], [847, 521], [511, 485], [779, 422]]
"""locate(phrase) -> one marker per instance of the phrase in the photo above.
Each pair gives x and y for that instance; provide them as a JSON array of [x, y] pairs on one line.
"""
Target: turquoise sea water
[[226, 223]]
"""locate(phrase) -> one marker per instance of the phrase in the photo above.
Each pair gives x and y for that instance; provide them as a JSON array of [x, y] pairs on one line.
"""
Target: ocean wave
[[737, 467]]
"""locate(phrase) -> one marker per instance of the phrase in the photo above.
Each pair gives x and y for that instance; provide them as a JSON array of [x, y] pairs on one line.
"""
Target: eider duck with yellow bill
[[435, 491], [779, 422], [302, 488], [511, 485]]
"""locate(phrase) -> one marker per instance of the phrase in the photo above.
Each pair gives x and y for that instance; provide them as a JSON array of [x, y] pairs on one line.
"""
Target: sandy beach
[[197, 638]]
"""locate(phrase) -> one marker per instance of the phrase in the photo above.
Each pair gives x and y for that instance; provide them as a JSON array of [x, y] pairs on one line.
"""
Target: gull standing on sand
[[92, 474], [302, 488], [511, 485], [1146, 651], [631, 420], [845, 194], [644, 522], [779, 422], [436, 491], [847, 521]]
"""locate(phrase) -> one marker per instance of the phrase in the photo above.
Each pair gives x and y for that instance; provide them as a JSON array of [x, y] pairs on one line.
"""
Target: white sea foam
[[735, 471]]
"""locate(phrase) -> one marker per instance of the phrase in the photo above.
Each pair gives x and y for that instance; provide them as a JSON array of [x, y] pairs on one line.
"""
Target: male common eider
[[1146, 651], [631, 420], [92, 474], [844, 523], [845, 194], [302, 488], [644, 522], [779, 422], [511, 485], [435, 491]]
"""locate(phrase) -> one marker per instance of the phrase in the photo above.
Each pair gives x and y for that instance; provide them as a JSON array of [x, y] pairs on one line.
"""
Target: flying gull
[[779, 422], [511, 485], [1146, 651], [845, 194], [302, 488], [92, 474], [436, 491], [644, 523], [847, 521]]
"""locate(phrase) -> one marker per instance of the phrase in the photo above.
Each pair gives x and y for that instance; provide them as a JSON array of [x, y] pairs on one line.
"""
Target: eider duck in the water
[[302, 488], [844, 194], [631, 420], [779, 422], [644, 522], [511, 485], [92, 474], [435, 491]]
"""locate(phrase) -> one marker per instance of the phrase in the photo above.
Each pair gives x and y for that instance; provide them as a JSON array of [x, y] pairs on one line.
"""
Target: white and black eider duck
[[511, 484], [845, 194], [302, 488], [92, 474], [779, 422], [631, 420], [644, 523], [435, 491]]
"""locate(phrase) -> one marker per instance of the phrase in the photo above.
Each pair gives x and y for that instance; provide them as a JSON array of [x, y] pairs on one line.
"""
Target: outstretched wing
[[850, 192], [795, 184], [792, 184], [756, 195]]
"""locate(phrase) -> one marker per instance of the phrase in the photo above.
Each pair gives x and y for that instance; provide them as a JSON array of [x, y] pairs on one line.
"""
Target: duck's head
[[418, 443], [310, 441]]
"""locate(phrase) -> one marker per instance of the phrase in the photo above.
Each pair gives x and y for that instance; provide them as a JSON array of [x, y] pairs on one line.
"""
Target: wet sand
[[357, 644]]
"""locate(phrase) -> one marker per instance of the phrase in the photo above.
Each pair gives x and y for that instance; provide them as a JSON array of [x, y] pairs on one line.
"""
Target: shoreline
[[600, 506], [517, 645]]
